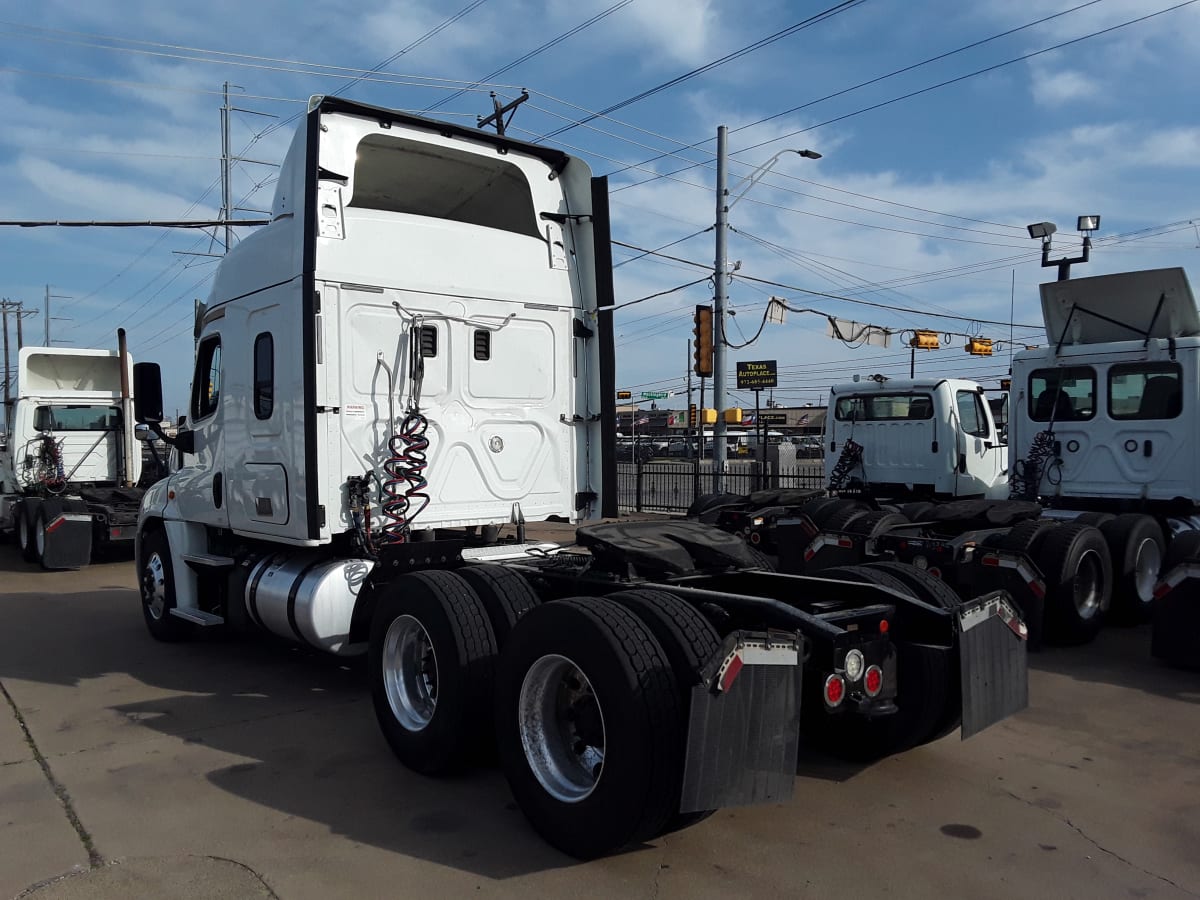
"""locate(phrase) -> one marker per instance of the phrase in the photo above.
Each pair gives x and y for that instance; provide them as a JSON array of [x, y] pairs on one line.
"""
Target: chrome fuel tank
[[307, 597]]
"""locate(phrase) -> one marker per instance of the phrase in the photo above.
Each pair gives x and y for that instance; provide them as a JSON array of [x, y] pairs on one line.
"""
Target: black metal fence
[[671, 487]]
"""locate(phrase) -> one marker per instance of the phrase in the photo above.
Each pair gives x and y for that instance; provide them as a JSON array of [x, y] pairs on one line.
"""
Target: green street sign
[[655, 395]]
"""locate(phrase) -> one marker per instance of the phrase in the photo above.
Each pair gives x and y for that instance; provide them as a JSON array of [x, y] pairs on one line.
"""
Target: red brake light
[[883, 626], [873, 681], [835, 690]]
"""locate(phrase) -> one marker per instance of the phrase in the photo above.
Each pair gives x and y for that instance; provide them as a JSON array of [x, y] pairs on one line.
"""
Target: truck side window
[[206, 384], [1145, 391], [970, 413], [1062, 395], [264, 375]]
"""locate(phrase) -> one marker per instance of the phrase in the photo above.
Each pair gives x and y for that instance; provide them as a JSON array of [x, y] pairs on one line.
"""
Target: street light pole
[[720, 271]]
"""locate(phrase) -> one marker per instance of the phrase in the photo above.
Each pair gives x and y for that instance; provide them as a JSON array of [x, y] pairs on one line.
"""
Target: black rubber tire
[[1093, 518], [1059, 557], [25, 534], [1027, 537], [39, 531], [1133, 539], [505, 594], [821, 509], [840, 521], [761, 560], [630, 674], [923, 585], [162, 626], [707, 503], [1183, 547], [464, 649], [875, 523], [690, 641], [916, 511]]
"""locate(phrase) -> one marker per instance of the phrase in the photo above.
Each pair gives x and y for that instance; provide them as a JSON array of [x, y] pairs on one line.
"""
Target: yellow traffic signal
[[925, 340], [624, 395], [691, 415], [979, 346], [708, 417], [703, 344], [733, 416]]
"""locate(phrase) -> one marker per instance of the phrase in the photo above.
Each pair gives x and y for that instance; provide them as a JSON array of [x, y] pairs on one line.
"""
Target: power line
[[708, 67]]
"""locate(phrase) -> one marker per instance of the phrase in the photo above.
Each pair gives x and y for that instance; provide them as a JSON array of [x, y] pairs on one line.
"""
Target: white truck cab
[[923, 438], [1117, 389]]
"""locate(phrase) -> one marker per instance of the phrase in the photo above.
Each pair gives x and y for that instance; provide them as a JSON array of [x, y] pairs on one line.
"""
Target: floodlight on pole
[[1043, 230]]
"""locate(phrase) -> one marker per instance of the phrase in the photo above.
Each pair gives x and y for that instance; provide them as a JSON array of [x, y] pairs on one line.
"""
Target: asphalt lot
[[244, 768]]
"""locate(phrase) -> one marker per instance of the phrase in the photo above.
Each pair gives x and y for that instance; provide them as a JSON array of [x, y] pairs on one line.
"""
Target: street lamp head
[[1087, 223], [809, 154], [1042, 230]]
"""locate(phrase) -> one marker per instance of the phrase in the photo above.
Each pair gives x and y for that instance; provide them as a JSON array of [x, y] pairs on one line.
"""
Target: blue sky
[[111, 111]]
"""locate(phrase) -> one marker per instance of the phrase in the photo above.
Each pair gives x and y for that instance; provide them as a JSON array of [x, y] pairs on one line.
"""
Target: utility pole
[[687, 429], [46, 312], [5, 306], [226, 201], [720, 271]]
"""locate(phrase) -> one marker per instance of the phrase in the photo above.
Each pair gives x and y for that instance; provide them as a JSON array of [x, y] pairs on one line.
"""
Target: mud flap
[[1176, 635], [68, 538], [992, 657], [744, 724]]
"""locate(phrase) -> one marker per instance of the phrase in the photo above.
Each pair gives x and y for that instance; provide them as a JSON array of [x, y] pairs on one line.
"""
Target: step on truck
[[417, 353], [71, 467], [1099, 499]]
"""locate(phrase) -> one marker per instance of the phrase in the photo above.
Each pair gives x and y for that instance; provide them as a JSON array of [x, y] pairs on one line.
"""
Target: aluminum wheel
[[410, 673], [1145, 569], [22, 529], [562, 728], [1088, 585], [154, 586], [39, 536]]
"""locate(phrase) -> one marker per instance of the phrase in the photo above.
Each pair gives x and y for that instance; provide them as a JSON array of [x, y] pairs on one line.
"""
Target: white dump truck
[[71, 466], [417, 352]]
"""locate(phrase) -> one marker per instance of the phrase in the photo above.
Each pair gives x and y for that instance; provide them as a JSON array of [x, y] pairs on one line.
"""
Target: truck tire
[[1075, 562], [710, 503], [761, 560], [1027, 537], [589, 726], [505, 594], [841, 519], [38, 534], [1137, 548], [875, 523], [928, 691], [1093, 518], [431, 659], [690, 641], [156, 583], [25, 539], [822, 508], [915, 512]]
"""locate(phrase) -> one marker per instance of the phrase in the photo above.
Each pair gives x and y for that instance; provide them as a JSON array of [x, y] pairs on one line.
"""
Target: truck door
[[201, 489], [981, 457]]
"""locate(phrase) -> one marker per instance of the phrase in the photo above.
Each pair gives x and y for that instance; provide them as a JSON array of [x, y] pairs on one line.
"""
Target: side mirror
[[185, 441], [43, 419], [143, 433], [147, 393]]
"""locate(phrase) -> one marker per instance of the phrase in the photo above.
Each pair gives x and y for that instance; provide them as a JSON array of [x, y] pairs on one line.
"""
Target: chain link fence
[[671, 487]]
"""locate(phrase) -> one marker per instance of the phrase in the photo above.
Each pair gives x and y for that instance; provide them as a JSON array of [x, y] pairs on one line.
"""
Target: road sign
[[773, 418], [655, 395], [756, 376]]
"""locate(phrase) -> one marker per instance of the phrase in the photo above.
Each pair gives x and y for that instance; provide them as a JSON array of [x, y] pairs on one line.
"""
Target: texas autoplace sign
[[756, 375]]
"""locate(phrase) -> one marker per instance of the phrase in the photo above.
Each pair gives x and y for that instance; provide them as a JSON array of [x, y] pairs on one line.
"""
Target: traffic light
[[624, 395], [703, 344], [708, 417], [979, 346], [691, 415], [733, 416], [925, 340]]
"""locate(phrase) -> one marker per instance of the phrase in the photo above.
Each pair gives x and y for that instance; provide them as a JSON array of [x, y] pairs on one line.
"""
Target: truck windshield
[[1062, 395], [883, 407], [78, 418]]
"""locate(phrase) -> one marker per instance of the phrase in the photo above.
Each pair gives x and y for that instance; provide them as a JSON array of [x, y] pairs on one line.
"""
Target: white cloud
[[79, 194], [1060, 88]]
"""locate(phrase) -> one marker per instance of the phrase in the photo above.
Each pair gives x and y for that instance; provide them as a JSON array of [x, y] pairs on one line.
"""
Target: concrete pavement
[[246, 768]]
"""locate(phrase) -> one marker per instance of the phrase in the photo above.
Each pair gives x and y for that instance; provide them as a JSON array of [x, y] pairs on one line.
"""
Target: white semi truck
[[70, 470], [1076, 515], [417, 352]]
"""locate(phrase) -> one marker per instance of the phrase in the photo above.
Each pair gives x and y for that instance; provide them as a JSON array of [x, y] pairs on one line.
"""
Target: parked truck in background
[[1091, 499], [417, 352], [70, 469]]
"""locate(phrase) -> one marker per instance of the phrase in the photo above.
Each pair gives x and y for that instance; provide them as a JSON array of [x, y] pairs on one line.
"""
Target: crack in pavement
[[250, 869], [60, 791], [79, 870], [1083, 834], [658, 870]]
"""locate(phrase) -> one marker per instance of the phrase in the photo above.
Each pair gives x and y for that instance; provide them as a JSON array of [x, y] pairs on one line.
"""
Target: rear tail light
[[873, 681], [835, 690]]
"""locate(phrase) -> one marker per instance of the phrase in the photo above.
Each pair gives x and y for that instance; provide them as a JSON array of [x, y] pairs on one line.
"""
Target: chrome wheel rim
[[410, 673], [154, 581], [1088, 586], [1145, 569], [562, 728], [22, 531], [39, 537]]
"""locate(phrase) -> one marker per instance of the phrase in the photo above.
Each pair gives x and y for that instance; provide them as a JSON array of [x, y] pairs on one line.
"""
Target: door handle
[[1148, 448], [218, 490]]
